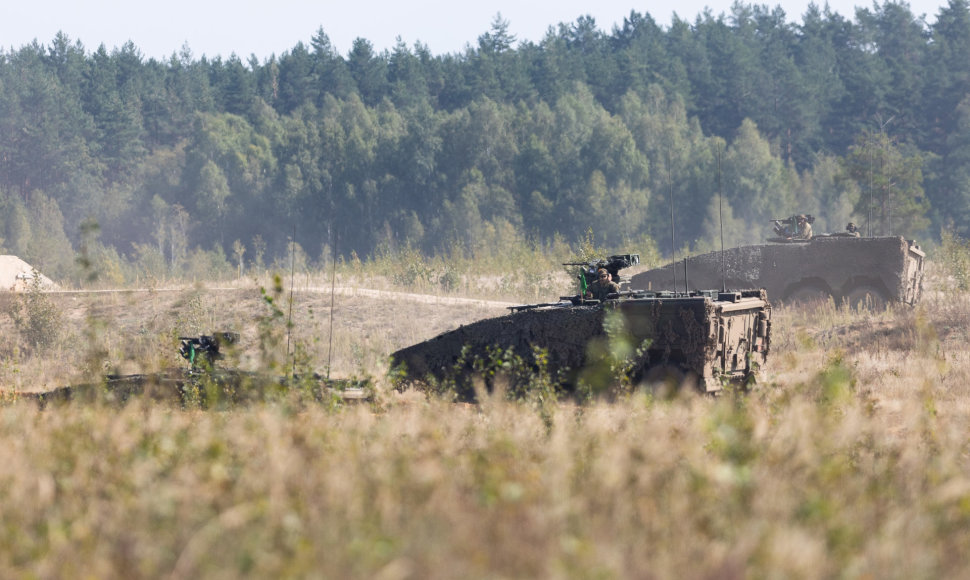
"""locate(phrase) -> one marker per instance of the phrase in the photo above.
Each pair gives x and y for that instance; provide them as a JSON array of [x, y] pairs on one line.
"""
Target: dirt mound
[[16, 275]]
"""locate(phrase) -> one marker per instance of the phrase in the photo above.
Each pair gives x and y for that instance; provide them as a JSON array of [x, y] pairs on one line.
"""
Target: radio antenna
[[720, 218], [890, 190], [673, 247], [869, 222], [289, 315], [686, 283], [333, 283]]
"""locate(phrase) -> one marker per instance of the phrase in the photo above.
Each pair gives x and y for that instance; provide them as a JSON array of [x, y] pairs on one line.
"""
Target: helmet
[[802, 217]]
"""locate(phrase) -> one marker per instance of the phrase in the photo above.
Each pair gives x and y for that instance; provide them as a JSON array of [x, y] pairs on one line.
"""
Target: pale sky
[[222, 27]]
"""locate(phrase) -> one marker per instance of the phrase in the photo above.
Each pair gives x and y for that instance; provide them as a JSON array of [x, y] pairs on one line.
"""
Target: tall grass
[[802, 482], [847, 459]]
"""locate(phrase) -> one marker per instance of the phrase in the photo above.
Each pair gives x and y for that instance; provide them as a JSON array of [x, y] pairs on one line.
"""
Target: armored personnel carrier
[[704, 338], [849, 270], [204, 384]]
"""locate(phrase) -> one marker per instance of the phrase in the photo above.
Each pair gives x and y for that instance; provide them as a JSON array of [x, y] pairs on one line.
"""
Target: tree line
[[725, 121]]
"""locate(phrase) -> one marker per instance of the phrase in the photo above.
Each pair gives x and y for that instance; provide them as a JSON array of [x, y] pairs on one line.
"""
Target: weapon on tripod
[[788, 227]]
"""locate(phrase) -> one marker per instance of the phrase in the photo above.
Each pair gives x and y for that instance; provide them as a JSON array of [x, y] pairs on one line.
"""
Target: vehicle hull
[[711, 338], [845, 269]]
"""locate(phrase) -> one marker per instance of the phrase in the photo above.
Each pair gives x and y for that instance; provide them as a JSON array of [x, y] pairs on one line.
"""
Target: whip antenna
[[333, 282], [720, 218], [673, 248], [869, 223], [289, 315], [686, 283]]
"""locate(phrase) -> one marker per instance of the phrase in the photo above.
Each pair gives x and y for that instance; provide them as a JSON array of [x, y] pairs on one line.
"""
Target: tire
[[865, 297], [807, 297]]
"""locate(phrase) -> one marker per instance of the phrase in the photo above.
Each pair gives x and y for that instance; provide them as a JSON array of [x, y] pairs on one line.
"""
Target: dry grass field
[[849, 459]]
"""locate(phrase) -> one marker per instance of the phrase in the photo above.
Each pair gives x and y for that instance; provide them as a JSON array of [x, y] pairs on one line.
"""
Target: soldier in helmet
[[803, 229], [852, 230], [602, 287]]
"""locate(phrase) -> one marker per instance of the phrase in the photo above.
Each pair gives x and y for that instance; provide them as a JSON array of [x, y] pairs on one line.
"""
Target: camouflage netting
[[680, 332], [564, 332]]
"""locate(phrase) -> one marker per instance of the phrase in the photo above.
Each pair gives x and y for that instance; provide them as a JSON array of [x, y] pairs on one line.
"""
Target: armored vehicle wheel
[[665, 381], [865, 297], [807, 296]]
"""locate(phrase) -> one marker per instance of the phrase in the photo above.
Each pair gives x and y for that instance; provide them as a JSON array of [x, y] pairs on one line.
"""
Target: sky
[[223, 27]]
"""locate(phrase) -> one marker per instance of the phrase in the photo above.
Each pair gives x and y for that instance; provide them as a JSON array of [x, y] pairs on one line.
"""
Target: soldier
[[602, 287], [803, 229], [852, 230]]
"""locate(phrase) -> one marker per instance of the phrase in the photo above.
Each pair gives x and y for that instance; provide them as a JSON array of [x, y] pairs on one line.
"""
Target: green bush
[[36, 316], [954, 258]]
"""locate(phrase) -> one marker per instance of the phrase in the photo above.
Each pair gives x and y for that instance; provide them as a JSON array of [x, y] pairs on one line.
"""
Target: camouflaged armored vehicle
[[705, 339], [850, 270], [204, 384]]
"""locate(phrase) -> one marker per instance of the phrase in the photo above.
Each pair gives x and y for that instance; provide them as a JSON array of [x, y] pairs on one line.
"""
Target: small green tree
[[36, 316], [238, 250], [891, 180], [954, 257]]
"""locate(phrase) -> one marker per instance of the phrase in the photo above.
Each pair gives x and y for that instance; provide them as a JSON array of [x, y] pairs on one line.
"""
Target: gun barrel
[[532, 306]]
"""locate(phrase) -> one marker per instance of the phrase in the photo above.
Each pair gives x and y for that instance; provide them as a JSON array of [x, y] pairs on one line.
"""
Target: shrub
[[36, 316], [954, 258]]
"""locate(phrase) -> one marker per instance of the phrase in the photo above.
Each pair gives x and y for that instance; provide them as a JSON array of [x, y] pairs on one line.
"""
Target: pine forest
[[724, 122]]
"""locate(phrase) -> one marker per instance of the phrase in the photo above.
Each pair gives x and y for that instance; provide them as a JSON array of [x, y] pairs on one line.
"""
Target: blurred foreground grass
[[815, 480]]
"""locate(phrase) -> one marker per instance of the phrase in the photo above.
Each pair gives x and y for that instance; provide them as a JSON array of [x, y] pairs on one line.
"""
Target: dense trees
[[863, 119]]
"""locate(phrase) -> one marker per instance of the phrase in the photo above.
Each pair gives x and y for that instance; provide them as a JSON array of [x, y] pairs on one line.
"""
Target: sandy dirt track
[[339, 290]]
